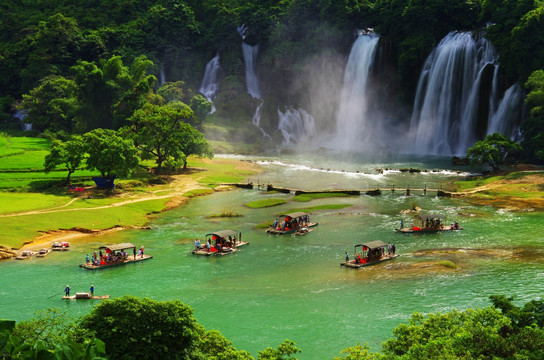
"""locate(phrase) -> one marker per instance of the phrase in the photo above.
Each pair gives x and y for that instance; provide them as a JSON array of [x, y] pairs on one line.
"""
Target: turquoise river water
[[286, 287]]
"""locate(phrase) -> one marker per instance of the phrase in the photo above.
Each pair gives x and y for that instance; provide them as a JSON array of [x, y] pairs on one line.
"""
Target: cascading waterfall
[[252, 81], [162, 77], [250, 57], [352, 121], [508, 109], [457, 84], [210, 82], [296, 125]]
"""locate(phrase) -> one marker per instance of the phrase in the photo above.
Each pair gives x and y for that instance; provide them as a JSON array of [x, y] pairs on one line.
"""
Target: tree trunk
[[68, 177]]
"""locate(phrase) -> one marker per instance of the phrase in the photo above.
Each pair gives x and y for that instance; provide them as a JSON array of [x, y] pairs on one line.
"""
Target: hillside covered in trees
[[78, 66]]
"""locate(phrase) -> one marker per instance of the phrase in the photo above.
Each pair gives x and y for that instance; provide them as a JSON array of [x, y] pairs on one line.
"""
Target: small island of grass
[[265, 203]]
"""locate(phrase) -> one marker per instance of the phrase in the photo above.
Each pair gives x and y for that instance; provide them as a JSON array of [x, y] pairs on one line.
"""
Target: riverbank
[[130, 209], [517, 191]]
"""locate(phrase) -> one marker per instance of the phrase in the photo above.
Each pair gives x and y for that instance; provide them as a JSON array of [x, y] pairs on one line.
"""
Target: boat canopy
[[430, 216], [373, 244], [117, 247], [223, 233], [294, 215]]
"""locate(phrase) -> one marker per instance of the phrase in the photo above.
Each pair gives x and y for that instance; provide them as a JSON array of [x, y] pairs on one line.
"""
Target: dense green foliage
[[76, 67], [142, 328], [69, 153], [109, 153], [493, 150], [533, 127]]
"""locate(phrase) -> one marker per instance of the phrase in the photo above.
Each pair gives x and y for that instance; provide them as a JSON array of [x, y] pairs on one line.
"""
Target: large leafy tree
[[162, 133], [158, 132], [471, 334], [109, 153], [69, 153], [109, 92], [194, 143], [52, 104], [493, 150], [143, 328]]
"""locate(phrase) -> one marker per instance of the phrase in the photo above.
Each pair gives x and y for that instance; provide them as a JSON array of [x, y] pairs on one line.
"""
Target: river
[[286, 287]]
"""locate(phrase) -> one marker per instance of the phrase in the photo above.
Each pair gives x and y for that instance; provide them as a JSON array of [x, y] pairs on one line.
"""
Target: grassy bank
[[35, 202]]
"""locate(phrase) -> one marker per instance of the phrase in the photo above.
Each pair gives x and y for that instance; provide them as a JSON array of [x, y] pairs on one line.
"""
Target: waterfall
[[162, 77], [21, 116], [352, 122], [252, 82], [210, 82], [296, 125], [502, 120], [257, 119], [451, 92]]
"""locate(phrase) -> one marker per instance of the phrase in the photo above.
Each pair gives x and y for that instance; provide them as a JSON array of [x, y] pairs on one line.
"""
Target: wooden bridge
[[406, 190]]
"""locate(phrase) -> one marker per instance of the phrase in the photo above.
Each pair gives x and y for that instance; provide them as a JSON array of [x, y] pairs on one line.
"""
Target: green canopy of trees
[[492, 151], [130, 327], [109, 153], [163, 134], [68, 62]]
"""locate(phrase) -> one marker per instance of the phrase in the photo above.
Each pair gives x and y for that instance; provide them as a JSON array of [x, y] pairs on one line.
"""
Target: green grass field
[[16, 230], [24, 187]]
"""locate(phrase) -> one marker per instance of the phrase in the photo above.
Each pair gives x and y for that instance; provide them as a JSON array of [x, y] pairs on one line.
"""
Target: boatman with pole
[[92, 290], [67, 290]]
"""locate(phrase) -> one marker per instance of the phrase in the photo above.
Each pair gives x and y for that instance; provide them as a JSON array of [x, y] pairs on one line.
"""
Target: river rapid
[[287, 287]]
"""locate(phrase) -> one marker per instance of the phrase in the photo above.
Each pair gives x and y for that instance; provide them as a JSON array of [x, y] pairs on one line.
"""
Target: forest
[[76, 67]]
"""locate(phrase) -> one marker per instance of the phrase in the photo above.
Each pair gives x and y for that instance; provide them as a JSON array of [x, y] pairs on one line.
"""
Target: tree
[[143, 328], [158, 133], [492, 150], [109, 153], [47, 336], [69, 153], [52, 104], [201, 108], [110, 93], [286, 350], [194, 143], [358, 352], [53, 47], [161, 132], [214, 346], [472, 334]]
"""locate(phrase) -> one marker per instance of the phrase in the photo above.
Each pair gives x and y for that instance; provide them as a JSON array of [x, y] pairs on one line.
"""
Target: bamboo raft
[[353, 264], [410, 230], [130, 259], [85, 296], [224, 251]]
